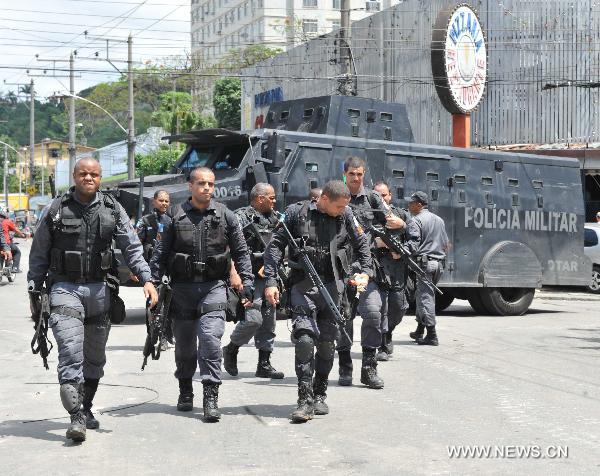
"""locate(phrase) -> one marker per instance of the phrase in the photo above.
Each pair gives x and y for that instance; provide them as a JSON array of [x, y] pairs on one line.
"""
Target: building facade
[[219, 26]]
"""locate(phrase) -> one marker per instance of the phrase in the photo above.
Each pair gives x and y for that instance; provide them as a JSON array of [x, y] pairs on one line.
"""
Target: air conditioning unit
[[371, 6]]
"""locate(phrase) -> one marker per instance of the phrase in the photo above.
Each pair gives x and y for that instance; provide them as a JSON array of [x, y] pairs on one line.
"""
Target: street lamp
[[47, 140]]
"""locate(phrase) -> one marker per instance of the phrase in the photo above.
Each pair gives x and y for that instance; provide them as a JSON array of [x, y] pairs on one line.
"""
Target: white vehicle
[[592, 251]]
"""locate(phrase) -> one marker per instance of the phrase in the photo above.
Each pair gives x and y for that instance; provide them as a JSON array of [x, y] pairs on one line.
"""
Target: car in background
[[591, 248]]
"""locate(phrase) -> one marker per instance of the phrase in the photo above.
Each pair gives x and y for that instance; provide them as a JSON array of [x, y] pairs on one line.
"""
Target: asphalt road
[[510, 385]]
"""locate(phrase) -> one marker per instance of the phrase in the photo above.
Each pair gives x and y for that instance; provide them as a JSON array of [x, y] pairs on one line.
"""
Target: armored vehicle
[[515, 221]]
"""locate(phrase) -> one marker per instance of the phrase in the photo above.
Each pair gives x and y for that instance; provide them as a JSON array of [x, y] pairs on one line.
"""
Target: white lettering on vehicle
[[231, 191], [529, 220], [563, 266]]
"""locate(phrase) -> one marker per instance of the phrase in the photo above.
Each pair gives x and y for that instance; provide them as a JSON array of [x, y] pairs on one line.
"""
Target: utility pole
[[31, 133], [5, 176], [130, 123], [72, 144], [346, 80]]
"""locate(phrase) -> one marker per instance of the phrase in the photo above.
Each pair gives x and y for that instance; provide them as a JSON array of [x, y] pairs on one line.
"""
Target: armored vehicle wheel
[[507, 301], [474, 297], [594, 286], [443, 301]]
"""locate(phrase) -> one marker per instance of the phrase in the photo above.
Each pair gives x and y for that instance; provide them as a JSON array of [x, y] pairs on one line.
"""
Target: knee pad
[[326, 350], [372, 317], [304, 347], [69, 396]]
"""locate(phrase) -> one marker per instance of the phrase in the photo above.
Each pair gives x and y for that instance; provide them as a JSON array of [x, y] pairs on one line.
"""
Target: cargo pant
[[396, 304], [79, 319], [198, 333], [425, 294], [259, 322], [370, 308], [314, 326]]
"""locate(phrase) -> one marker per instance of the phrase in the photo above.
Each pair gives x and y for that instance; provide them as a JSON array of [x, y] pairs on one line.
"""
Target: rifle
[[40, 313], [395, 245], [156, 322], [310, 270], [251, 226]]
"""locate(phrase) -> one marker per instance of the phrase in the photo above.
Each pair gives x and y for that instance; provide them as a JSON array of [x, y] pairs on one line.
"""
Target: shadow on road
[[40, 430]]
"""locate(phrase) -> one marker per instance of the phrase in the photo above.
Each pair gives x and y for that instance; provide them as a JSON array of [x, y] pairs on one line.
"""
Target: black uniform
[[330, 242], [371, 301], [196, 249], [149, 228], [259, 321]]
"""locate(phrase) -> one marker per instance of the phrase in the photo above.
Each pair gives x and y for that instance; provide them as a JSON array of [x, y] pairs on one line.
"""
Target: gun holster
[[117, 306]]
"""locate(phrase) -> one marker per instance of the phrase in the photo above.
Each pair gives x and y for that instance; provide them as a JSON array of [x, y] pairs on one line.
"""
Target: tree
[[159, 161], [227, 103]]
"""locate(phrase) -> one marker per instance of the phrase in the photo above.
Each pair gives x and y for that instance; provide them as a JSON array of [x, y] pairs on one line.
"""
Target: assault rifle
[[311, 272], [40, 313], [253, 229], [156, 320], [395, 245]]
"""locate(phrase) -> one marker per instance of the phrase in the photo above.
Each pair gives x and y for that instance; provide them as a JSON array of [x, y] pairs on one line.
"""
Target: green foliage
[[158, 162], [239, 58], [227, 103], [227, 94]]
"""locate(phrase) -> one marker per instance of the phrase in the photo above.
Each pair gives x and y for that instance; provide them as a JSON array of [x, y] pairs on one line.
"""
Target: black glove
[[248, 293]]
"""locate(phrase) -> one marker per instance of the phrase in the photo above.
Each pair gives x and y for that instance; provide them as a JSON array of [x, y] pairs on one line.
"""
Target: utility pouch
[[106, 260], [181, 265], [73, 264], [57, 264], [218, 266]]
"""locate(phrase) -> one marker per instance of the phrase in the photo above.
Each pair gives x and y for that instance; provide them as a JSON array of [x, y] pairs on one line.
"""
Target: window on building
[[335, 24], [336, 4], [371, 6], [309, 3], [310, 27]]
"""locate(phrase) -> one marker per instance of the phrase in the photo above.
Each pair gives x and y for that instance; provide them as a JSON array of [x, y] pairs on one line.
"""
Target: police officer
[[196, 249], [258, 222], [428, 243], [368, 207], [149, 228], [395, 302], [151, 225], [327, 229], [72, 246]]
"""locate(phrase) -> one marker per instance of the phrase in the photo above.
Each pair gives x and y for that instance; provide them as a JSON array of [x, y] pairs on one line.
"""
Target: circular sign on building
[[459, 59]]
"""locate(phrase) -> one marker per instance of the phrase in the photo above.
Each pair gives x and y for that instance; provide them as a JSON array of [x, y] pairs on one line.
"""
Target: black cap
[[420, 197]]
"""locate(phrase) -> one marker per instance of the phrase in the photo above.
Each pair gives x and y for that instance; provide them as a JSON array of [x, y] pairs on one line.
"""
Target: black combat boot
[[320, 394], [89, 390], [345, 361], [368, 373], [430, 338], [306, 409], [211, 402], [388, 343], [185, 402], [382, 353], [73, 399], [264, 368], [418, 333], [230, 353]]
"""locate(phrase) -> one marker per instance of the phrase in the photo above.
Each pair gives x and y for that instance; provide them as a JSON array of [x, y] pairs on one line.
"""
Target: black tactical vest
[[200, 250], [82, 238], [326, 240], [151, 223], [259, 224]]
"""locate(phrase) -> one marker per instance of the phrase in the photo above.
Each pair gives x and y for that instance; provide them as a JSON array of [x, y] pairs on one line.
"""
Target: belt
[[425, 258]]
